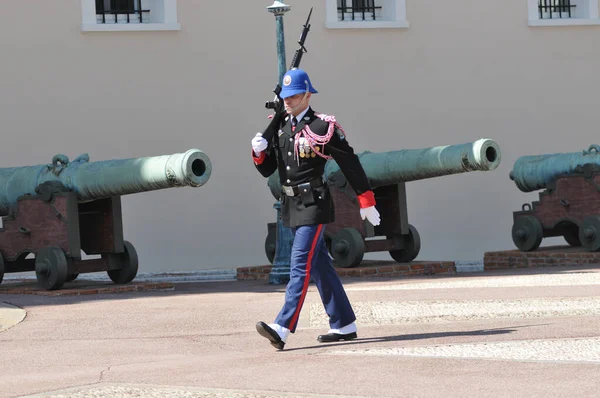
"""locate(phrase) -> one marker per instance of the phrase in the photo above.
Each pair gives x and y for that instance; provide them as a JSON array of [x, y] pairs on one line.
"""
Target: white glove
[[371, 214], [259, 144]]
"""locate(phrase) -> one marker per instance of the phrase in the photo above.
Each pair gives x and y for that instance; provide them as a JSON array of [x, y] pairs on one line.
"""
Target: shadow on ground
[[82, 287], [418, 336]]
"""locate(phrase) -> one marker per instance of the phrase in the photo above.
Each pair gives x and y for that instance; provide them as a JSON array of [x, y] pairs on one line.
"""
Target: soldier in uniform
[[304, 142]]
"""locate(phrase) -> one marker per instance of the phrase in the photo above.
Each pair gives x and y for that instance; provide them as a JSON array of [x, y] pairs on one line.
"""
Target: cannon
[[568, 206], [349, 237], [57, 211]]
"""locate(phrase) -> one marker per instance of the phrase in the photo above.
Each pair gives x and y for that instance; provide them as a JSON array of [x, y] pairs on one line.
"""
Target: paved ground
[[10, 316], [523, 333]]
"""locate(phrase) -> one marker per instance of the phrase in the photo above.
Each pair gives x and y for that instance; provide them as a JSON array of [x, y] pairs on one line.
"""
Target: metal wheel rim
[[347, 248], [589, 233], [572, 238], [51, 267], [412, 247], [271, 246], [129, 265], [527, 233]]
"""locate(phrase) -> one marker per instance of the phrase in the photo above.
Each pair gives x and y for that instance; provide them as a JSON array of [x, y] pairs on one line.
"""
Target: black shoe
[[333, 337], [264, 330]]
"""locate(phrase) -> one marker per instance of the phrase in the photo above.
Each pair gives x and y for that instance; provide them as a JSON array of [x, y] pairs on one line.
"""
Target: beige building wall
[[462, 70]]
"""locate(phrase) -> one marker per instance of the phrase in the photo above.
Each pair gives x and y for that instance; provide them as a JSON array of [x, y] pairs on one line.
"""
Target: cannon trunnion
[[349, 237]]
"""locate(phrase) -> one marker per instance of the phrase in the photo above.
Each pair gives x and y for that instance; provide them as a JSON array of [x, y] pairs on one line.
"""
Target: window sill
[[366, 24], [564, 22], [130, 27]]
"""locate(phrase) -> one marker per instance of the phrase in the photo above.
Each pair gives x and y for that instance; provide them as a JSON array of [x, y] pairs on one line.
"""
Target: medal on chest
[[305, 150]]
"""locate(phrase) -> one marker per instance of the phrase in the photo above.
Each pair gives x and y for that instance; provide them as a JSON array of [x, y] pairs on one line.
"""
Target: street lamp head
[[278, 8]]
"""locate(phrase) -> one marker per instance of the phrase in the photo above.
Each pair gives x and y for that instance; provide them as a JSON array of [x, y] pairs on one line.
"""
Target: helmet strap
[[300, 104]]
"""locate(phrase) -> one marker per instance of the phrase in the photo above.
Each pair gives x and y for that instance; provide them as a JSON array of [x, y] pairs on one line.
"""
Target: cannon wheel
[[572, 238], [412, 246], [527, 233], [51, 267], [72, 277], [589, 233], [128, 265], [347, 248], [1, 267], [328, 241], [271, 245]]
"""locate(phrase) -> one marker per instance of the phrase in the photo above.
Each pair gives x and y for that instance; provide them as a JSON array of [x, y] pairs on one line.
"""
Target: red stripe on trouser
[[306, 277]]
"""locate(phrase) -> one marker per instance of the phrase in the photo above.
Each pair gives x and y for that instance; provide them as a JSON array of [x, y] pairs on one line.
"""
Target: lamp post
[[280, 273], [279, 9]]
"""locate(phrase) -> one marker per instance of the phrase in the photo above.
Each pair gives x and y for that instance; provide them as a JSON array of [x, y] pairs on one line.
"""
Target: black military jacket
[[305, 167]]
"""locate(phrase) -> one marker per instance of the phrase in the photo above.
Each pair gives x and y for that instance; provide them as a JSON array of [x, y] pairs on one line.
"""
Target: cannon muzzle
[[103, 179], [532, 173], [388, 168]]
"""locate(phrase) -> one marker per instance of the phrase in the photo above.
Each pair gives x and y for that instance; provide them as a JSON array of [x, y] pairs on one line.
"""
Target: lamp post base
[[280, 273]]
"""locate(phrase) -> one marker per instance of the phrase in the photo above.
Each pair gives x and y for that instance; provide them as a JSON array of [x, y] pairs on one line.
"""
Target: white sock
[[351, 328], [281, 331]]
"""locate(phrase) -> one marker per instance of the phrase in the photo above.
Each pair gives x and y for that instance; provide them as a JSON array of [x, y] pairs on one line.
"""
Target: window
[[362, 10], [349, 14], [557, 9], [563, 12], [128, 15], [121, 11]]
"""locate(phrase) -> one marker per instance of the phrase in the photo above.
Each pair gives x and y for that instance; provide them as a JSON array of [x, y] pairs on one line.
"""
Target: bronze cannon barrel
[[387, 168], [102, 179], [532, 173]]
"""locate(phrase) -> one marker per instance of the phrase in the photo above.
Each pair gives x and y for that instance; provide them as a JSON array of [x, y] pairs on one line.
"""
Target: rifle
[[277, 103]]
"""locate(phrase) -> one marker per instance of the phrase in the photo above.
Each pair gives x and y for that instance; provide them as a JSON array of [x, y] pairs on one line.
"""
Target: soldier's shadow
[[406, 337]]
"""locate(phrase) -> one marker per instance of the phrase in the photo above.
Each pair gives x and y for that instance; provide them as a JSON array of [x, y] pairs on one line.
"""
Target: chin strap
[[294, 109]]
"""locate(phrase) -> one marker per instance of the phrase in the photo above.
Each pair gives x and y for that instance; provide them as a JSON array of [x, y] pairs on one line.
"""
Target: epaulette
[[332, 124], [318, 126]]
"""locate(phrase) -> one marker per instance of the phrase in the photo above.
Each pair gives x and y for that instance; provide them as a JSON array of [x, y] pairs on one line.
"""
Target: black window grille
[[358, 9], [114, 8], [550, 8]]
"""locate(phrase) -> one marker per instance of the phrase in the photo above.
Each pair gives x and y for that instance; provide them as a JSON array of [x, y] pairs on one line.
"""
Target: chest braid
[[314, 139]]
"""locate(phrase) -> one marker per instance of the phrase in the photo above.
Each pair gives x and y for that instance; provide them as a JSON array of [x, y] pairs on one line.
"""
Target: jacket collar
[[307, 116]]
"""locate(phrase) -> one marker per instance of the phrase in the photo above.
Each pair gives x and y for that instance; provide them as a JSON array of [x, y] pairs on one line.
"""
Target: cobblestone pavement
[[555, 350], [401, 312], [568, 279], [131, 391], [529, 333]]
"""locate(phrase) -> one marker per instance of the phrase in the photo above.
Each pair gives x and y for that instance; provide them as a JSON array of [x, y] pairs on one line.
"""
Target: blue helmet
[[296, 81]]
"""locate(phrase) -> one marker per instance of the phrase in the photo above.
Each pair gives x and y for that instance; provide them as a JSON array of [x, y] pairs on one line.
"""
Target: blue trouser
[[311, 259]]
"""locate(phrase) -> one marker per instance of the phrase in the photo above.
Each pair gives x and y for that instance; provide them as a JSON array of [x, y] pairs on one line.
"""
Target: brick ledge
[[83, 288], [547, 256], [367, 269]]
